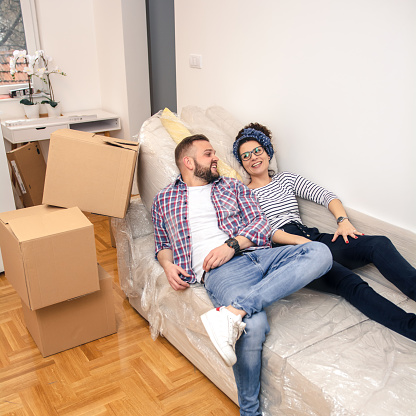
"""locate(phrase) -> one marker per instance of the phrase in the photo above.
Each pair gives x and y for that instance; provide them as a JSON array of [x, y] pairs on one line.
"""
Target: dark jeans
[[340, 280]]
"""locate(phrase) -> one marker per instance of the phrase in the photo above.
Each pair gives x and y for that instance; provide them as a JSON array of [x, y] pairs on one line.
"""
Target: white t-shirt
[[203, 222]]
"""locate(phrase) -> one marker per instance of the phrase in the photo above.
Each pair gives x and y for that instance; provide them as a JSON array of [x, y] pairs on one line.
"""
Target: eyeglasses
[[256, 152]]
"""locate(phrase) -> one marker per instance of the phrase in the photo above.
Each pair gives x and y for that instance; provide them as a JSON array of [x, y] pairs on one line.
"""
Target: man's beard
[[205, 173]]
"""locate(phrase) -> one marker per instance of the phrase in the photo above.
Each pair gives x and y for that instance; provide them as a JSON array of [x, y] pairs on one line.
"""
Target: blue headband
[[256, 135]]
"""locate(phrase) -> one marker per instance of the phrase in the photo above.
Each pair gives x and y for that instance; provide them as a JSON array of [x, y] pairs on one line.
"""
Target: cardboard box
[[29, 168], [74, 322], [49, 254], [92, 172]]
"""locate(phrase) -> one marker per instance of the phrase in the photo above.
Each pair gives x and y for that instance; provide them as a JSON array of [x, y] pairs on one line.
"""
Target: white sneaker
[[224, 328]]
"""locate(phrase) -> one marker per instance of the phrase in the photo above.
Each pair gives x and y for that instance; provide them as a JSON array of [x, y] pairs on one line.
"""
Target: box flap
[[77, 134], [5, 217], [94, 138], [45, 224], [125, 144]]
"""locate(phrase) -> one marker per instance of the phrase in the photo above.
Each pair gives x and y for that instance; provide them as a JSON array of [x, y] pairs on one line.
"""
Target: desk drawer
[[34, 133]]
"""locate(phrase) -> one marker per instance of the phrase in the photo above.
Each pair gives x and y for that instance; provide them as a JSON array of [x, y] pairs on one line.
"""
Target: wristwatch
[[233, 243], [340, 219]]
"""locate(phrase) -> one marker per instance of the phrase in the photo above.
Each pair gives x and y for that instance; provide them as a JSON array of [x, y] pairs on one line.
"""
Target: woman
[[350, 248]]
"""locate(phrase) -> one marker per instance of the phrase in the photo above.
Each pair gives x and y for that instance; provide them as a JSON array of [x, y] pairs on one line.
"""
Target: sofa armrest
[[135, 225]]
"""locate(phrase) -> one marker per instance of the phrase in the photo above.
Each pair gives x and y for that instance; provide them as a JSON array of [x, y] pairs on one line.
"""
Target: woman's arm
[[345, 228], [282, 237]]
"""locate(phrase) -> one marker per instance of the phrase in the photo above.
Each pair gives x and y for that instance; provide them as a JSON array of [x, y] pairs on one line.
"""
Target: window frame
[[30, 24]]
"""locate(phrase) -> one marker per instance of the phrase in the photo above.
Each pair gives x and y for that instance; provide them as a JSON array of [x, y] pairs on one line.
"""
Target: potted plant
[[37, 65], [31, 108], [44, 74]]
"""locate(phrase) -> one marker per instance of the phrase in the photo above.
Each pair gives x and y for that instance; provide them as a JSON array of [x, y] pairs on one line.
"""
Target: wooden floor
[[123, 374]]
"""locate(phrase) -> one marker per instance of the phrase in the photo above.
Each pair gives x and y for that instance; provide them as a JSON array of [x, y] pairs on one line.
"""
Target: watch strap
[[233, 243]]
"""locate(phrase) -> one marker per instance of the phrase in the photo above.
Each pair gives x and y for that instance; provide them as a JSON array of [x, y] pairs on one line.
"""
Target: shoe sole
[[210, 332]]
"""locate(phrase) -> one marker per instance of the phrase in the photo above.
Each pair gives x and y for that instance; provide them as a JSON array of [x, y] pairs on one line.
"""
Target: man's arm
[[220, 255], [163, 251], [172, 271]]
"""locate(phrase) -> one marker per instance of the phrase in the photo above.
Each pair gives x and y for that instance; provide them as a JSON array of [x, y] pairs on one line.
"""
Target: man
[[210, 229]]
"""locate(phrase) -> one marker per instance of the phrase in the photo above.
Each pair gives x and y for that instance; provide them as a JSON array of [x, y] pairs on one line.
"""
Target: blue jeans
[[251, 282], [342, 281]]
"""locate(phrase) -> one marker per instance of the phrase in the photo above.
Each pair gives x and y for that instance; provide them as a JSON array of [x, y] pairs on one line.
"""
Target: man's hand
[[217, 257], [173, 273], [345, 229]]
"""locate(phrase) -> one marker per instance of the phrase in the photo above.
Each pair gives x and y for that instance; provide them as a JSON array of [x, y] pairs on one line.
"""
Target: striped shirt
[[278, 198], [237, 211]]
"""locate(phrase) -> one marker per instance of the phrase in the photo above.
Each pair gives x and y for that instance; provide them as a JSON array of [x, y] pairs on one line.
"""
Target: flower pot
[[54, 111], [31, 111]]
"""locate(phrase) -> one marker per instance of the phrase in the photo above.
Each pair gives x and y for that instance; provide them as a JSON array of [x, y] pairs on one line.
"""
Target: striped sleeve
[[278, 198], [309, 190]]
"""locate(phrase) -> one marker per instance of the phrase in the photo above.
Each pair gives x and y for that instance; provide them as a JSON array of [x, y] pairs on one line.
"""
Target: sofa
[[322, 356]]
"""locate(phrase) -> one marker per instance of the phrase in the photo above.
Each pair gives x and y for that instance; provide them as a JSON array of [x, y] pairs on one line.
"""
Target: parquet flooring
[[123, 374]]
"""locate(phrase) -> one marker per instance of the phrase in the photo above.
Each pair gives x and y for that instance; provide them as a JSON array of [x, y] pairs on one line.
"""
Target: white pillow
[[222, 142], [156, 165], [231, 126]]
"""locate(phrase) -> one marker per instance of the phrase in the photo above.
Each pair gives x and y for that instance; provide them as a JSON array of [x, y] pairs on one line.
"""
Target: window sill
[[6, 97]]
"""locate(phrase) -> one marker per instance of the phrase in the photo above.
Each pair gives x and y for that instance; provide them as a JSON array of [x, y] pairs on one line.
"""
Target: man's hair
[[184, 146]]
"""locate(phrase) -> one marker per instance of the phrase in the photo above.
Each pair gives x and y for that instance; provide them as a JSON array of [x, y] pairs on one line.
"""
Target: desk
[[27, 130]]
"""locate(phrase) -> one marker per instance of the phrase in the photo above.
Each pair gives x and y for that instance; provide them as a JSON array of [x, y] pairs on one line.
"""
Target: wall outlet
[[195, 61]]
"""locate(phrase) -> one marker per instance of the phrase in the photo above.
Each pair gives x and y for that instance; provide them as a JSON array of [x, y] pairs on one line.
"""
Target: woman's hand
[[301, 240], [346, 229], [282, 237]]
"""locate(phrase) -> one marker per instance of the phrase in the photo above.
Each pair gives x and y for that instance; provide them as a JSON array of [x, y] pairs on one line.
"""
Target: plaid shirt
[[237, 211]]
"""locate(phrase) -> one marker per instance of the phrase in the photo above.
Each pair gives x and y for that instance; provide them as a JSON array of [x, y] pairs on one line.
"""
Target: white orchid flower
[[31, 60], [41, 72], [19, 54], [29, 70]]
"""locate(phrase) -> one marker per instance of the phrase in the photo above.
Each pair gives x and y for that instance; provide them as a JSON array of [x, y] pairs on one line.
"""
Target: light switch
[[195, 61]]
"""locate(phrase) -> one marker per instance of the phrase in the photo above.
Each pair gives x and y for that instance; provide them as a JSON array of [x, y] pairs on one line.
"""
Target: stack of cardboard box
[[49, 250]]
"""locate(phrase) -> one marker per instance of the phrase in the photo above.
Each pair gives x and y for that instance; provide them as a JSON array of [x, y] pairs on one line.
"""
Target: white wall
[[334, 81], [121, 36], [67, 33]]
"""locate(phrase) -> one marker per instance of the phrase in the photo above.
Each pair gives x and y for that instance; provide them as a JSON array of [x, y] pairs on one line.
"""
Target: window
[[18, 30]]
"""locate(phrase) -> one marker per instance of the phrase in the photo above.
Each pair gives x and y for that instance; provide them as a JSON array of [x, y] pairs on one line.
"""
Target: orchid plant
[[36, 65]]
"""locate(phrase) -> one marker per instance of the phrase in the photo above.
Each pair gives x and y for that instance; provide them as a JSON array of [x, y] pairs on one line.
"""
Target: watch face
[[233, 243]]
